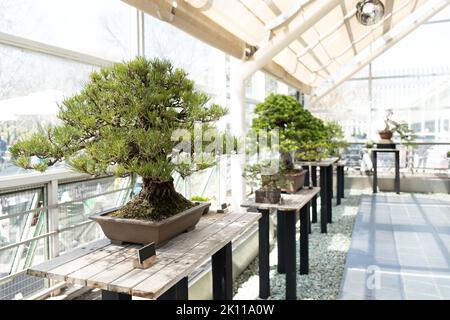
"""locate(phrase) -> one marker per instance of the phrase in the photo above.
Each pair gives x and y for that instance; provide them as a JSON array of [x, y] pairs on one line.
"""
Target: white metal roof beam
[[389, 42], [266, 53]]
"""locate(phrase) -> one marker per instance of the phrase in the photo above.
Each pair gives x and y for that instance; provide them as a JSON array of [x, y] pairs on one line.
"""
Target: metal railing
[[42, 221], [415, 158]]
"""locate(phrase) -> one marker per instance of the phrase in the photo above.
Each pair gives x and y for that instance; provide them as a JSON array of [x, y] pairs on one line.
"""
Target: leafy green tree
[[336, 138], [298, 128], [122, 123]]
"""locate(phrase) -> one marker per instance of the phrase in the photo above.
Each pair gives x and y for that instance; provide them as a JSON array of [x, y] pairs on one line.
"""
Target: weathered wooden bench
[[110, 267], [286, 220]]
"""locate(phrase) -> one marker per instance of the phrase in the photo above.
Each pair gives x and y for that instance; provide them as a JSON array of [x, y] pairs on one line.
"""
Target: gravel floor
[[327, 259]]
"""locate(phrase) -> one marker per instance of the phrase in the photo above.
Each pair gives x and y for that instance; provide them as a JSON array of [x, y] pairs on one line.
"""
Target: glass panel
[[79, 200], [205, 64], [101, 27], [31, 86]]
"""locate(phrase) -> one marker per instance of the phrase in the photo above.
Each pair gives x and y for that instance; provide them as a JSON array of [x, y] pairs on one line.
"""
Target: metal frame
[[390, 39]]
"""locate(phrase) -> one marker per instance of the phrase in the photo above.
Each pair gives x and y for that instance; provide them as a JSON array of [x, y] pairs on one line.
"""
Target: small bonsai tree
[[336, 138], [298, 128], [256, 177], [122, 123], [406, 134]]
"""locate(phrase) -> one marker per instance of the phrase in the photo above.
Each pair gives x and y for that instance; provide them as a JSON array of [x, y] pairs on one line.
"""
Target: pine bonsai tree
[[298, 128], [122, 123]]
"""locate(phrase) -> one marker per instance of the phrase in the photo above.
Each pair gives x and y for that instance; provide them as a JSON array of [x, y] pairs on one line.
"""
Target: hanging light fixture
[[369, 12]]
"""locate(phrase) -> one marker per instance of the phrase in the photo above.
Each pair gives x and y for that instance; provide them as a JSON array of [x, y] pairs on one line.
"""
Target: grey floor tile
[[408, 237]]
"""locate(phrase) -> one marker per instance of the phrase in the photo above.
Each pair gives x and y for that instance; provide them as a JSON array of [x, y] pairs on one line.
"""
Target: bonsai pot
[[385, 135], [267, 196], [120, 230], [295, 180]]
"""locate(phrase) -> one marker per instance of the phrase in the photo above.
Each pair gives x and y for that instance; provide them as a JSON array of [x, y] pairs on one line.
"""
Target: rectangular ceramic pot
[[267, 196], [296, 181], [120, 230]]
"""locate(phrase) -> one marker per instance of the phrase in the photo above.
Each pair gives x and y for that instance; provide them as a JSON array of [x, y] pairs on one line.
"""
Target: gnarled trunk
[[286, 160], [156, 201]]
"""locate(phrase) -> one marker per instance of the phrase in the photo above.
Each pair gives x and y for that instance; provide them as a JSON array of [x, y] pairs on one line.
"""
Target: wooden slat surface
[[290, 202], [41, 269], [110, 267], [323, 163]]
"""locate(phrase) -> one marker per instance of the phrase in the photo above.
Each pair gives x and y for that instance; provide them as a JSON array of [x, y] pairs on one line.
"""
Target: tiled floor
[[400, 249]]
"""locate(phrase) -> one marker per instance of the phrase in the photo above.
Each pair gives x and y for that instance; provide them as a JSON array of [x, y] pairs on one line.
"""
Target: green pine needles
[[121, 123]]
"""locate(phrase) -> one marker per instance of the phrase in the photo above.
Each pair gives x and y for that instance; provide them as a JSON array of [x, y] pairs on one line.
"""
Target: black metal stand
[[323, 199], [178, 292], [314, 201], [340, 184], [304, 239], [375, 169], [289, 254], [329, 193], [109, 295], [222, 273], [281, 231], [264, 267]]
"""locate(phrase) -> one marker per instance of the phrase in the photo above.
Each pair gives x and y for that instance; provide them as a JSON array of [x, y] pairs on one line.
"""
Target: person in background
[[3, 146]]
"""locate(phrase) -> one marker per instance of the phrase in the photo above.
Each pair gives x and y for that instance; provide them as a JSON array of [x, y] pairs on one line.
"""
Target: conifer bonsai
[[298, 128], [122, 123]]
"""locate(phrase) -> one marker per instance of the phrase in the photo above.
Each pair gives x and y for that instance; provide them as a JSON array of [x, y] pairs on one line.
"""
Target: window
[[101, 27]]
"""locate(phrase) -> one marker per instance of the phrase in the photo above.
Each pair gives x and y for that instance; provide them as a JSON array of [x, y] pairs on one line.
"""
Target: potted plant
[[336, 139], [296, 127], [199, 200], [269, 185], [391, 127], [121, 123]]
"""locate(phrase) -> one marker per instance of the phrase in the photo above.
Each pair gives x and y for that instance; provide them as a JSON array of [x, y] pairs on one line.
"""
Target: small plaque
[[146, 256]]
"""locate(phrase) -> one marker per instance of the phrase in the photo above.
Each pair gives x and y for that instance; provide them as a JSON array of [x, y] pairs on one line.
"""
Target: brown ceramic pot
[[295, 181], [120, 230], [268, 196], [385, 135]]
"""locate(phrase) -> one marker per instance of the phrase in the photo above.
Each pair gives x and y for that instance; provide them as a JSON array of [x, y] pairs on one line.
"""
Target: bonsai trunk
[[286, 160], [156, 201]]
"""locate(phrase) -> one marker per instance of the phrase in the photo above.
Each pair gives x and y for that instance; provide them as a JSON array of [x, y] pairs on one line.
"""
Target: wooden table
[[326, 189], [340, 185], [286, 219], [375, 168], [110, 267]]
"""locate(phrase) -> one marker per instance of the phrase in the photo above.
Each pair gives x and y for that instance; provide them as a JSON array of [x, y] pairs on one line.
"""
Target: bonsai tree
[[406, 134], [298, 128], [256, 177], [122, 123], [336, 138]]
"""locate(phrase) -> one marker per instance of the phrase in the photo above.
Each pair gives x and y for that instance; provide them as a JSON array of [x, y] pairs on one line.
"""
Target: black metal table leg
[[342, 182], [339, 176], [222, 273], [290, 254], [264, 267], [323, 200], [109, 295], [306, 184], [281, 226], [374, 163], [304, 239], [329, 194], [179, 291], [397, 172], [314, 201]]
